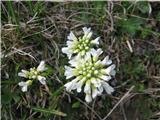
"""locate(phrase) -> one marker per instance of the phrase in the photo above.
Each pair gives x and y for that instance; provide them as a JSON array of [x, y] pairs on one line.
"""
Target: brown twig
[[92, 116], [124, 96], [99, 117]]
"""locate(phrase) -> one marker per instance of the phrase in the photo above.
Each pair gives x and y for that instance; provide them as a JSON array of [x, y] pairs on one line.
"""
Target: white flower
[[90, 72], [23, 73], [24, 85], [96, 41], [42, 80], [71, 85], [81, 45], [106, 61], [107, 87], [88, 98], [33, 74], [41, 66], [110, 70], [87, 32], [68, 72]]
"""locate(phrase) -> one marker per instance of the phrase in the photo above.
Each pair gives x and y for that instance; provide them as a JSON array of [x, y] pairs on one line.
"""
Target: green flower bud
[[88, 75], [29, 82], [80, 39], [83, 53], [86, 41], [80, 72], [90, 71], [93, 68], [86, 48], [35, 72], [81, 47], [84, 73], [84, 69], [95, 59], [75, 51], [96, 72]]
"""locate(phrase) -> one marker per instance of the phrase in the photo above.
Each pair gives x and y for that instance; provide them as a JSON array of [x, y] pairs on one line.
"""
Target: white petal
[[71, 36], [24, 88], [21, 74], [87, 57], [70, 43], [24, 71], [105, 77], [75, 61], [106, 61], [86, 30], [94, 92], [96, 41], [22, 83], [79, 85], [96, 53], [108, 88], [68, 72], [88, 98], [96, 82], [33, 76], [68, 86], [67, 52], [31, 69], [87, 87], [71, 85], [42, 80], [99, 52], [113, 72], [89, 35], [100, 90], [110, 70], [79, 88], [98, 63], [41, 66], [74, 84]]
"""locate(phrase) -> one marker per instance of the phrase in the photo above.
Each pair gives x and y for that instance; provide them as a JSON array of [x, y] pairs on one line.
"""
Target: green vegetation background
[[35, 31]]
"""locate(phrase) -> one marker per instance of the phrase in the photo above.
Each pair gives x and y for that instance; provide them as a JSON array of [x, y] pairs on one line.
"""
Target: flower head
[[80, 45], [91, 73], [33, 74]]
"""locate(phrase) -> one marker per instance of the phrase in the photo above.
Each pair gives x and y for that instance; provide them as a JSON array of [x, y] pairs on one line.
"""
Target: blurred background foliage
[[32, 31]]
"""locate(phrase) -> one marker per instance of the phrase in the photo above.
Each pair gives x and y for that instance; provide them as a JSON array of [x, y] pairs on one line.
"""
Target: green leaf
[[158, 16], [6, 98], [58, 91], [42, 110], [144, 7], [139, 87], [130, 25], [39, 7], [48, 72], [76, 104], [16, 98], [145, 32]]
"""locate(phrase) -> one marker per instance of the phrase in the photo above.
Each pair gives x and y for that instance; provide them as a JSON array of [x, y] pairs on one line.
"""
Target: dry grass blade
[[32, 31], [124, 97], [99, 117]]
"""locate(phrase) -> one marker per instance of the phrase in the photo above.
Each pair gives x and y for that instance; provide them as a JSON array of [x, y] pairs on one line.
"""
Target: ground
[[33, 31]]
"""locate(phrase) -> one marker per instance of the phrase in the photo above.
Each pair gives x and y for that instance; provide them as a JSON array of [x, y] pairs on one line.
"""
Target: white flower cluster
[[86, 69], [32, 74], [80, 46]]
